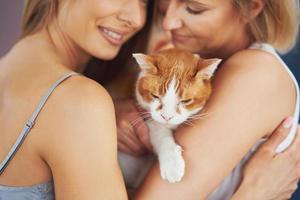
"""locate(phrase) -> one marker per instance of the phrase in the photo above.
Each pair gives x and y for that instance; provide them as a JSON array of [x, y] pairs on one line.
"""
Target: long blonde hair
[[277, 24], [38, 14]]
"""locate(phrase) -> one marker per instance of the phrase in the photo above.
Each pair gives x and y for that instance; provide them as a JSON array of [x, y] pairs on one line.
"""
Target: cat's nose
[[167, 118]]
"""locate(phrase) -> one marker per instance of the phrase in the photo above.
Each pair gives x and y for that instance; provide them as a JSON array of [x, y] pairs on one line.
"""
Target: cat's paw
[[171, 164]]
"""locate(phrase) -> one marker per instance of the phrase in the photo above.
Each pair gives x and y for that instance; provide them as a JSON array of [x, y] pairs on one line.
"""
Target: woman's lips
[[179, 38], [114, 37]]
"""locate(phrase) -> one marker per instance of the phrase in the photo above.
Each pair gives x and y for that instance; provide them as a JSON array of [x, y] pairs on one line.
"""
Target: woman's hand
[[271, 176], [133, 135]]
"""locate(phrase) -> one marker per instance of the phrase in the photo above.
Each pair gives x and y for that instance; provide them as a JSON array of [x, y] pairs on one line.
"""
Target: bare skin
[[74, 140], [45, 154], [260, 170]]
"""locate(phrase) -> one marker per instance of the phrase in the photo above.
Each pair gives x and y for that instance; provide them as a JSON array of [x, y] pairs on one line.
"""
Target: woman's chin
[[107, 54], [185, 47]]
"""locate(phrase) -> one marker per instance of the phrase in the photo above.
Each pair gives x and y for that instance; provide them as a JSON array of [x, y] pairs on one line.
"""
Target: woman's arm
[[250, 97], [81, 145], [268, 175]]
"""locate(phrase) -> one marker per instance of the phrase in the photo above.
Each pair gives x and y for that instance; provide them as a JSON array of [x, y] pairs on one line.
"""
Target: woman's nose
[[172, 19], [132, 14]]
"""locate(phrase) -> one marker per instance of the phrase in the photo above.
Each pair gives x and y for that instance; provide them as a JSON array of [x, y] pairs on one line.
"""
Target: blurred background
[[10, 23]]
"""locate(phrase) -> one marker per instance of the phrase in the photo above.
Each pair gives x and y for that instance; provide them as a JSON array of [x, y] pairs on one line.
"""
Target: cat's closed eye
[[186, 101], [154, 96]]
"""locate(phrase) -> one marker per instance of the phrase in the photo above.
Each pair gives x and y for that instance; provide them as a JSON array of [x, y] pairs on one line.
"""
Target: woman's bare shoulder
[[80, 133], [260, 76], [83, 90], [256, 61], [80, 111], [259, 68]]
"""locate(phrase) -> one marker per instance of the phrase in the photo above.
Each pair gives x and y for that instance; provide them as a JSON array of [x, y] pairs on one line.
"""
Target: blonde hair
[[37, 14], [277, 23]]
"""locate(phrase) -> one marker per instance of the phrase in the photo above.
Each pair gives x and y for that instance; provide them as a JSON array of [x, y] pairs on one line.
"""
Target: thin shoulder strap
[[30, 122]]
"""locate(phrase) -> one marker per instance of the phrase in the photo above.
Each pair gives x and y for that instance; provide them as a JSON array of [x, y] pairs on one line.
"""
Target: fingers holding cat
[[292, 153], [133, 136], [127, 141]]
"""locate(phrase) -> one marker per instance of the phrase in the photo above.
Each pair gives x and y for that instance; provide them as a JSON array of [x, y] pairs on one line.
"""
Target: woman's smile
[[179, 38], [113, 36]]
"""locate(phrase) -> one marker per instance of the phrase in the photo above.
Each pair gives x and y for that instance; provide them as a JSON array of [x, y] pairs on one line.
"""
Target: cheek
[[143, 17], [67, 13], [182, 112], [83, 33], [101, 8], [155, 111], [226, 25], [207, 31], [198, 26], [155, 106], [212, 23], [180, 116]]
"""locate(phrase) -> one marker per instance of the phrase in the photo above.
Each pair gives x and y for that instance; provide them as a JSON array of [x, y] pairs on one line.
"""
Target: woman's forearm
[[268, 175], [245, 192]]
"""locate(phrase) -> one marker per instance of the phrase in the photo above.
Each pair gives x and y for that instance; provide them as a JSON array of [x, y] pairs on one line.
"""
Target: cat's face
[[174, 85]]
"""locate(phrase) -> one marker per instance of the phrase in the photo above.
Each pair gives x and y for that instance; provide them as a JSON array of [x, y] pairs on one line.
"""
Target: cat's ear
[[146, 62], [207, 67]]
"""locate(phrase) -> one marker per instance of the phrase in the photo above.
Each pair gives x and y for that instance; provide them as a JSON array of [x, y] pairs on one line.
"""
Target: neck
[[67, 52], [235, 46], [240, 42]]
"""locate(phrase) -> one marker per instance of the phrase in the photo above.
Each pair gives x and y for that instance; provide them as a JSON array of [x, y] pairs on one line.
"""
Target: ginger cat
[[172, 86]]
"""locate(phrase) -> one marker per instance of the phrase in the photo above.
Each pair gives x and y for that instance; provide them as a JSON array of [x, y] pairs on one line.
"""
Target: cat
[[173, 85]]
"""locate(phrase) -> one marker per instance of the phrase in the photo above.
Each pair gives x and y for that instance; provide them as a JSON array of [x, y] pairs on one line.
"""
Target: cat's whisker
[[136, 121], [203, 114], [199, 116], [138, 112], [195, 118], [142, 114], [146, 116], [150, 119], [189, 120], [188, 123]]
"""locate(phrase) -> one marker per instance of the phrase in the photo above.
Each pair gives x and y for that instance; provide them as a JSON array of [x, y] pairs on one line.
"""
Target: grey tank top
[[43, 191]]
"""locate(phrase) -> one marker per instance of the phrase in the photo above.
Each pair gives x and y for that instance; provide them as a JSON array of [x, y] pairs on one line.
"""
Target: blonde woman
[[253, 91]]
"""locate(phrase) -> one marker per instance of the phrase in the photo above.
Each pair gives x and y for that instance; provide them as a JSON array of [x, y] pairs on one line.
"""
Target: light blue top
[[43, 191]]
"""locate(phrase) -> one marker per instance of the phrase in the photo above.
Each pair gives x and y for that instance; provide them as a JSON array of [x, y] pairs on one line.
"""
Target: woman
[[68, 143], [224, 29], [72, 146]]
